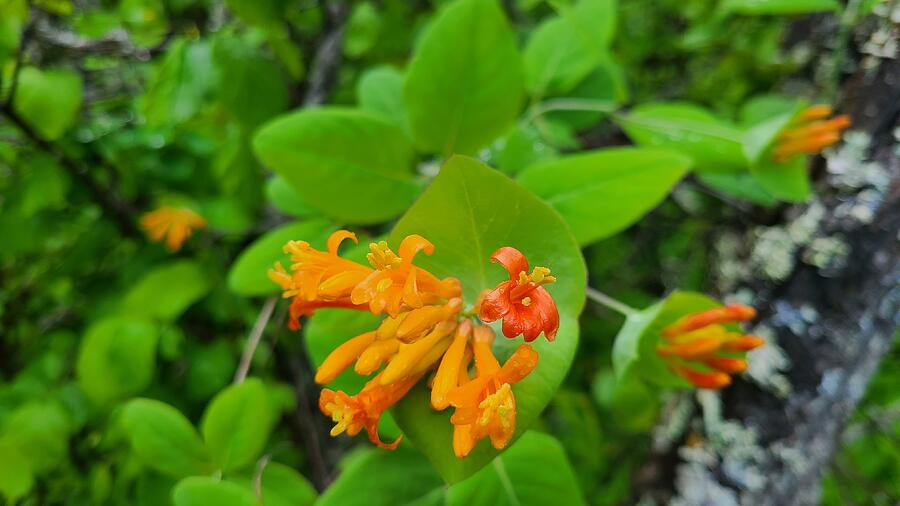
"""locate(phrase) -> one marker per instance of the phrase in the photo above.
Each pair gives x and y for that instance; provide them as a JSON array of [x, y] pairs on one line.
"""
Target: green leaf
[[40, 431], [203, 491], [463, 91], [179, 85], [743, 186], [16, 478], [167, 291], [164, 439], [634, 351], [564, 49], [48, 100], [604, 85], [352, 165], [788, 180], [249, 84], [237, 423], [281, 486], [513, 478], [117, 358], [362, 30], [604, 191], [380, 90], [283, 196], [490, 211], [521, 148], [779, 7], [263, 13], [248, 275], [715, 145], [379, 478]]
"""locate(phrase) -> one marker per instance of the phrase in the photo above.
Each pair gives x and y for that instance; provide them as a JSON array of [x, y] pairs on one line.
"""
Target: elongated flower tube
[[172, 224], [396, 283], [486, 406], [699, 347], [810, 133], [351, 414], [523, 304]]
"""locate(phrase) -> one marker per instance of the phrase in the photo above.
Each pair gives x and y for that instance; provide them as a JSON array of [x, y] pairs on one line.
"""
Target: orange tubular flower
[[396, 283], [486, 406], [351, 414], [702, 350], [525, 306], [810, 133], [175, 224]]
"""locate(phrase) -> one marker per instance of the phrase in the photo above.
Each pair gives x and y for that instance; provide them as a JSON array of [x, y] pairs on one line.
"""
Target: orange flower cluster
[[425, 332], [699, 348], [174, 224], [810, 133]]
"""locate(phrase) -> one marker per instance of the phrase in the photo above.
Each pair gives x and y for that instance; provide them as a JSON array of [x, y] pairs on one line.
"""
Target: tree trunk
[[826, 284]]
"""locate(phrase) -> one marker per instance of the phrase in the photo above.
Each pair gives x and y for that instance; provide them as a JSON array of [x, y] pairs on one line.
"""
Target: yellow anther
[[382, 257], [526, 301]]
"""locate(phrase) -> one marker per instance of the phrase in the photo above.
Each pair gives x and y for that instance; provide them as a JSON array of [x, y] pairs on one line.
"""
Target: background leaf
[[164, 439], [166, 291], [380, 90], [352, 165], [462, 91], [203, 491], [48, 100], [379, 478], [237, 423], [117, 358], [492, 212], [282, 486], [248, 275], [602, 192]]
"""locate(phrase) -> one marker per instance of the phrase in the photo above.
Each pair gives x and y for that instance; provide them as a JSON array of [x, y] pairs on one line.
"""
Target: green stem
[[605, 300], [569, 104]]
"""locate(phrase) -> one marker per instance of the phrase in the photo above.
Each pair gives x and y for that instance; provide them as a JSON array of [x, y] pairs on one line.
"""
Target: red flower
[[525, 306]]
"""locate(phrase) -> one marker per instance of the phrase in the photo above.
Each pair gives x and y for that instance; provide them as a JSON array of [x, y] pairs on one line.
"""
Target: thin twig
[[303, 421], [605, 300], [253, 340], [328, 57]]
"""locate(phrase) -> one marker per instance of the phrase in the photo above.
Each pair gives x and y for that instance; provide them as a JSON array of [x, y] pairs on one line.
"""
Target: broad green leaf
[[779, 7], [564, 49], [262, 13], [45, 184], [463, 91], [633, 404], [513, 478], [237, 423], [522, 148], [380, 90], [379, 478], [490, 211], [362, 30], [249, 84], [117, 358], [764, 107], [714, 144], [40, 431], [248, 275], [604, 191], [634, 351], [203, 491], [16, 478], [352, 165], [164, 439], [48, 100], [281, 486], [167, 291], [180, 83], [605, 87], [742, 185], [283, 196]]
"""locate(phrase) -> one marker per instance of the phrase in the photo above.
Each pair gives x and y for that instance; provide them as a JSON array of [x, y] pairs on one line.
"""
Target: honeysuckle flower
[[397, 283], [810, 133], [702, 350], [351, 414], [175, 224], [486, 406], [423, 328], [525, 306]]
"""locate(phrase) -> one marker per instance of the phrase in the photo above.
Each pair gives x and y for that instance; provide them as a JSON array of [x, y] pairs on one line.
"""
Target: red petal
[[512, 260], [496, 303]]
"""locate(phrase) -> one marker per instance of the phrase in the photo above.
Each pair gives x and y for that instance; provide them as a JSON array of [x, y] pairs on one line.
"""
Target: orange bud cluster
[[699, 348], [810, 133], [424, 329]]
